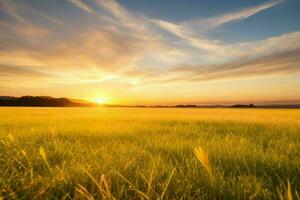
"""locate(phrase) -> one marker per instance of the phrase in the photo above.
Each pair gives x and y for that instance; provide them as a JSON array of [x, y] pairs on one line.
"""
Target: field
[[149, 153]]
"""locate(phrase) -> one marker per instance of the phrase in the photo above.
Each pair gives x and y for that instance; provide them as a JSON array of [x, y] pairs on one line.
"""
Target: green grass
[[106, 153]]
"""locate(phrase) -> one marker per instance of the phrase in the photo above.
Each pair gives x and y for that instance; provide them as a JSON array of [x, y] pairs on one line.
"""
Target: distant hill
[[42, 101]]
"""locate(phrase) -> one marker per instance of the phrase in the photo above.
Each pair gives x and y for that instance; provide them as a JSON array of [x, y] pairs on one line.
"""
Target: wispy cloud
[[277, 64], [187, 34], [119, 12], [17, 10], [204, 25], [192, 31], [11, 9], [80, 4], [19, 70], [99, 49]]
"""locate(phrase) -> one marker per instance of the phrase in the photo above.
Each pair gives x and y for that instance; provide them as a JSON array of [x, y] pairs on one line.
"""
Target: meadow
[[149, 153]]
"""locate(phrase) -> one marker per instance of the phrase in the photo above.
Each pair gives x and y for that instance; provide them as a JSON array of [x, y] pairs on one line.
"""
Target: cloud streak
[[204, 25], [276, 64], [81, 5], [192, 31], [16, 11], [18, 70]]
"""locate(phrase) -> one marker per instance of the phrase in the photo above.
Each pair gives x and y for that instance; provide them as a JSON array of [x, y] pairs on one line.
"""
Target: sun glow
[[100, 100]]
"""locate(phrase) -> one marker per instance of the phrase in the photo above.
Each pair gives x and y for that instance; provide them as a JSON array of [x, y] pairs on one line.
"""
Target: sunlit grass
[[112, 153]]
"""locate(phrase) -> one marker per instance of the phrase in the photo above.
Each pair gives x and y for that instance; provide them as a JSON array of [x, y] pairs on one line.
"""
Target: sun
[[100, 100]]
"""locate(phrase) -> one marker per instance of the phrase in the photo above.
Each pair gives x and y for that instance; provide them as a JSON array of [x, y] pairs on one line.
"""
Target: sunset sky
[[151, 51]]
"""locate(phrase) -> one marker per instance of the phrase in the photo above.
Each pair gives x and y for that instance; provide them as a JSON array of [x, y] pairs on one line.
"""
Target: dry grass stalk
[[289, 195], [202, 156]]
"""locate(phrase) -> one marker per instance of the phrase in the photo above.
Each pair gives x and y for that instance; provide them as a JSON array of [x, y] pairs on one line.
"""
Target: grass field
[[143, 153]]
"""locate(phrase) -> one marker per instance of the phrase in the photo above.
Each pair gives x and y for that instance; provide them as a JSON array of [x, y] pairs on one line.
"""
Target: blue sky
[[133, 51], [274, 21]]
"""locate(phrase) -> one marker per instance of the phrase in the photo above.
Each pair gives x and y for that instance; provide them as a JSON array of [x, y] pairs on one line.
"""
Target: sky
[[152, 52]]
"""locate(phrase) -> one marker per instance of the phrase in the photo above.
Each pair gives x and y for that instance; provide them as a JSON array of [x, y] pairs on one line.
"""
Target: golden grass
[[100, 153]]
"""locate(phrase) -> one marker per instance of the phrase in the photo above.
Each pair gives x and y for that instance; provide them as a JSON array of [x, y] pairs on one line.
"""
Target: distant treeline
[[46, 101], [210, 106], [40, 101]]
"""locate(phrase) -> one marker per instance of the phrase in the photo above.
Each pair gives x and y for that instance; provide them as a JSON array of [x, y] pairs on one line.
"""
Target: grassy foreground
[[114, 153]]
